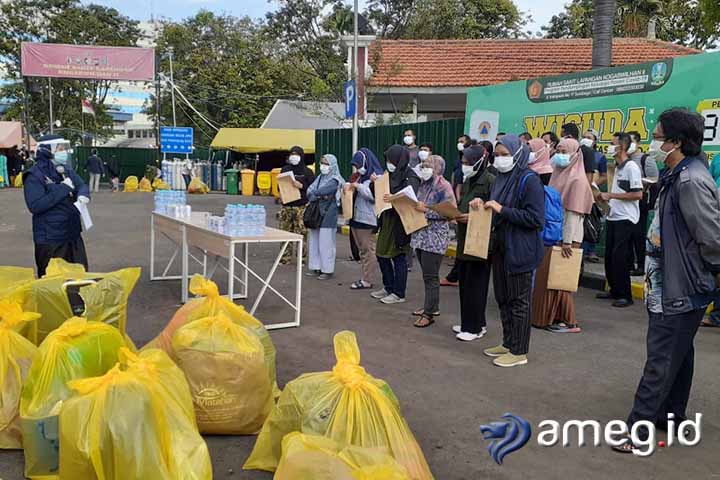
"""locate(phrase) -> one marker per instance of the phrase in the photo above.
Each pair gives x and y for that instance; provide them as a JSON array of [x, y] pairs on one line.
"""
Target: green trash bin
[[232, 181]]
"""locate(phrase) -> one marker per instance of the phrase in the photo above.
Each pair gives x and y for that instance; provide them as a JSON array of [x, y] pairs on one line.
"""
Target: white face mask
[[391, 168], [324, 169], [426, 173], [467, 170], [423, 155], [611, 150], [504, 164], [656, 152], [632, 149], [362, 171], [294, 159], [460, 146], [409, 139], [587, 142], [532, 158]]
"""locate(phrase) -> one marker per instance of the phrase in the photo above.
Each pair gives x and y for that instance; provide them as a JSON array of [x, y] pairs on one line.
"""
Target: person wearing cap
[[51, 189], [291, 213]]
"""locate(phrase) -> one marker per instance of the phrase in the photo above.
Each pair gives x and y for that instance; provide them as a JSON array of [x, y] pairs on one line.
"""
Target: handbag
[[592, 225], [312, 218]]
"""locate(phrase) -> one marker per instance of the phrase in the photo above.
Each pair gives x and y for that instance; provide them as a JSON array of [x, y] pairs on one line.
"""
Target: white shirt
[[627, 178]]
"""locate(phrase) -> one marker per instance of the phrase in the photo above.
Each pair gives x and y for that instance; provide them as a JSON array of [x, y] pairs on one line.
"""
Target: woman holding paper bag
[[364, 222], [326, 189], [555, 309], [393, 244], [431, 242], [518, 202], [291, 214]]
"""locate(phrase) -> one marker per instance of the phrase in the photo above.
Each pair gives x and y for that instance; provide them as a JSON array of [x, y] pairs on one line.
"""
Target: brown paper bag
[[564, 272], [412, 220], [477, 240], [347, 203], [382, 186], [287, 189], [447, 209]]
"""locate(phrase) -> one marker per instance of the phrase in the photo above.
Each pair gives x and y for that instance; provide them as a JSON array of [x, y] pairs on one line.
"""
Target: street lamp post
[[355, 78], [172, 86]]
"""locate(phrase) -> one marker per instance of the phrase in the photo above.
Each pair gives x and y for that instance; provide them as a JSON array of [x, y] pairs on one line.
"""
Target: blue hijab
[[365, 157], [323, 180], [504, 189]]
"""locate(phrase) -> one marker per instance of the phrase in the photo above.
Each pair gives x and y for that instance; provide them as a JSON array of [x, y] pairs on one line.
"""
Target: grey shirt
[[651, 169]]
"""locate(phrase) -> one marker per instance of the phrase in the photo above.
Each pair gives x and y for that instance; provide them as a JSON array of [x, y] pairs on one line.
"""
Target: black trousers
[[454, 274], [430, 265], [474, 278], [667, 377], [513, 293], [619, 257], [73, 252], [639, 239]]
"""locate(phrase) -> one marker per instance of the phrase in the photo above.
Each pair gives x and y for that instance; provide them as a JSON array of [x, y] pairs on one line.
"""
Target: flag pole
[[82, 125]]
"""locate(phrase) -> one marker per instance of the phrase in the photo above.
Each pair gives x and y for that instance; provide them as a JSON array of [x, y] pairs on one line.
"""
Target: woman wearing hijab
[[431, 243], [540, 159], [555, 309], [393, 244], [473, 272], [291, 214], [518, 201], [364, 222], [326, 189]]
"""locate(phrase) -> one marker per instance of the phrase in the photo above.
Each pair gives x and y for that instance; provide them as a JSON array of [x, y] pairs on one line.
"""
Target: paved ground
[[446, 388]]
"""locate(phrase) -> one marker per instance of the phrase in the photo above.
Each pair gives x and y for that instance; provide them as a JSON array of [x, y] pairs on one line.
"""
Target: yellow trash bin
[[274, 182], [264, 183], [248, 182]]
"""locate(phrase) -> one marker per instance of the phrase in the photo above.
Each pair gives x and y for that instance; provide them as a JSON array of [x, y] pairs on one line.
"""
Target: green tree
[[60, 21]]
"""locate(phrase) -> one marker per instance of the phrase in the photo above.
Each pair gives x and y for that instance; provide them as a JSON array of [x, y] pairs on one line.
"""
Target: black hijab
[[400, 157]]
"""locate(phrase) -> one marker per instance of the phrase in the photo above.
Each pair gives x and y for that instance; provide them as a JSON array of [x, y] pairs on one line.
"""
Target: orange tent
[[12, 133]]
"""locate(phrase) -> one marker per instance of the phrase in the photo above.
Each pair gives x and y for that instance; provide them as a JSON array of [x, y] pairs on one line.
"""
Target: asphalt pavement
[[446, 388]]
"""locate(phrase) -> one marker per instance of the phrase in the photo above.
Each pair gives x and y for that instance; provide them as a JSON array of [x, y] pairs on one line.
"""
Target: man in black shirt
[[570, 130]]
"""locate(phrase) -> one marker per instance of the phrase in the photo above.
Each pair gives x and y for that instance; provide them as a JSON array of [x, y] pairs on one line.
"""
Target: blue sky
[[541, 10]]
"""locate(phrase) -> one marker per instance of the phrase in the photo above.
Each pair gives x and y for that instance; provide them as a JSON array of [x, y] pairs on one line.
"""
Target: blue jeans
[[715, 314], [394, 274], [588, 248]]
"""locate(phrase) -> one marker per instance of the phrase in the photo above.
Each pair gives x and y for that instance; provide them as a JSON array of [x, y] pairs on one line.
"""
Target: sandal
[[626, 447], [424, 321], [709, 323], [359, 285], [421, 311]]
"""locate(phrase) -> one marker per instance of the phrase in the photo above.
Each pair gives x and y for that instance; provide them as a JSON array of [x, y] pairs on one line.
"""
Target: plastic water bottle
[[263, 219]]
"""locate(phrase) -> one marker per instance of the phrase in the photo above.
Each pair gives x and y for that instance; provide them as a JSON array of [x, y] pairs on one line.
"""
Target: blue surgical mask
[[61, 158], [561, 160]]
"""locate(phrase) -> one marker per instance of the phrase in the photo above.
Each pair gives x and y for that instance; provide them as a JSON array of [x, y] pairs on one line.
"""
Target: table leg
[[298, 283], [185, 253], [245, 271], [231, 271], [152, 247]]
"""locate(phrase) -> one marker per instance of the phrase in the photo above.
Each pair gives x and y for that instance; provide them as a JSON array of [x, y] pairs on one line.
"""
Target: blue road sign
[[176, 139], [350, 99]]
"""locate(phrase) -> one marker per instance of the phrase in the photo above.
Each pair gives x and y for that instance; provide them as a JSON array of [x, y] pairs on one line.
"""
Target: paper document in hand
[[84, 215], [404, 204], [564, 272], [477, 240], [408, 192], [382, 187], [447, 209], [287, 189], [347, 203]]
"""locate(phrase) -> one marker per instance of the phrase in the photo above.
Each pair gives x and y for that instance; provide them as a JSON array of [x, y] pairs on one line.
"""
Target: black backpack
[[652, 192]]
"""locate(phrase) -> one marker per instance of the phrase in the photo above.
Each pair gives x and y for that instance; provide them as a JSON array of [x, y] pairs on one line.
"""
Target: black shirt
[[589, 159]]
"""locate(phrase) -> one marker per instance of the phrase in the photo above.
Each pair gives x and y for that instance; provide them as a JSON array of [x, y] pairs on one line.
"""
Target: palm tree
[[637, 14], [603, 20]]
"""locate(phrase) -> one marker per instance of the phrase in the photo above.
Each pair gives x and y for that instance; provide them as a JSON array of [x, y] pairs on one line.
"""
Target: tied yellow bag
[[16, 355], [158, 184], [135, 422], [67, 290], [224, 363], [197, 186], [346, 405], [15, 285], [211, 304], [144, 185], [77, 349], [131, 184], [311, 457]]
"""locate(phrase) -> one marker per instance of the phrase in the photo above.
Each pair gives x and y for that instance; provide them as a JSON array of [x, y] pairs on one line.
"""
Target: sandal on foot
[[626, 447], [359, 285], [421, 311], [424, 321]]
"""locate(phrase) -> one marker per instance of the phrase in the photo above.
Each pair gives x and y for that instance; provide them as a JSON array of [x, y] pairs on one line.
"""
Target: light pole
[[172, 86], [355, 78]]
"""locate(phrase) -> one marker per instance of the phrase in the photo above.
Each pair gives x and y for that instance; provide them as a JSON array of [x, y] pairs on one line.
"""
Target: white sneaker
[[379, 294], [457, 328], [392, 299], [469, 337]]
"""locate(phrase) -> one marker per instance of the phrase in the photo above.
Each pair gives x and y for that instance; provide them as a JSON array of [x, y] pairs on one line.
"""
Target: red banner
[[88, 62]]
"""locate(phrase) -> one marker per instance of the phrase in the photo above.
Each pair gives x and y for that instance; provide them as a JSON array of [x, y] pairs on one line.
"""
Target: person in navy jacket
[[51, 188]]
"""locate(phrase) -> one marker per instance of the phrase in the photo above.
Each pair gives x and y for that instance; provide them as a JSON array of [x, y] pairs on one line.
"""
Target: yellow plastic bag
[[312, 457], [131, 184], [77, 349], [197, 186], [209, 305], [224, 363], [145, 185], [16, 355], [158, 184], [346, 405], [18, 181], [67, 290], [135, 422], [13, 278]]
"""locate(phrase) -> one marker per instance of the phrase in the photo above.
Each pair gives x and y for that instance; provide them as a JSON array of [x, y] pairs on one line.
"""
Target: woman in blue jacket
[[518, 200]]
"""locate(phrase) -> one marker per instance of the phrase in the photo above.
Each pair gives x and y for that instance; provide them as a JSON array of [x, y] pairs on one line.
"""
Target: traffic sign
[[176, 139], [350, 99]]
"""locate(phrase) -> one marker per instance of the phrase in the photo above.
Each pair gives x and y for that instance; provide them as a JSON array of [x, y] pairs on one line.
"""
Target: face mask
[[504, 164], [467, 170], [656, 152], [426, 174], [460, 146], [561, 160], [587, 142], [391, 168], [409, 140], [632, 149], [362, 171], [61, 158], [612, 149], [532, 158], [324, 169], [294, 159], [423, 155]]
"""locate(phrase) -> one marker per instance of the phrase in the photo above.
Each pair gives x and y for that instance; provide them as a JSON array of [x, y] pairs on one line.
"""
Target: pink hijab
[[571, 181], [542, 164]]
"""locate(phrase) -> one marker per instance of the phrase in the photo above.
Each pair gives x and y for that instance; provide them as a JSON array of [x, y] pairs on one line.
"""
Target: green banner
[[607, 100]]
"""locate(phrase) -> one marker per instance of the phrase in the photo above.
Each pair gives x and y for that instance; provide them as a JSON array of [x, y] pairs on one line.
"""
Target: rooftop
[[470, 63]]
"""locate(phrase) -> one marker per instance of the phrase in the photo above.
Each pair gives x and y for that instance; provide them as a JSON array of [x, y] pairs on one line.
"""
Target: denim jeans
[[394, 274]]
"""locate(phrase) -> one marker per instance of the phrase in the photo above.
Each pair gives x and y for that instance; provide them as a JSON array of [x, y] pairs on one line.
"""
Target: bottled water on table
[[243, 220]]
